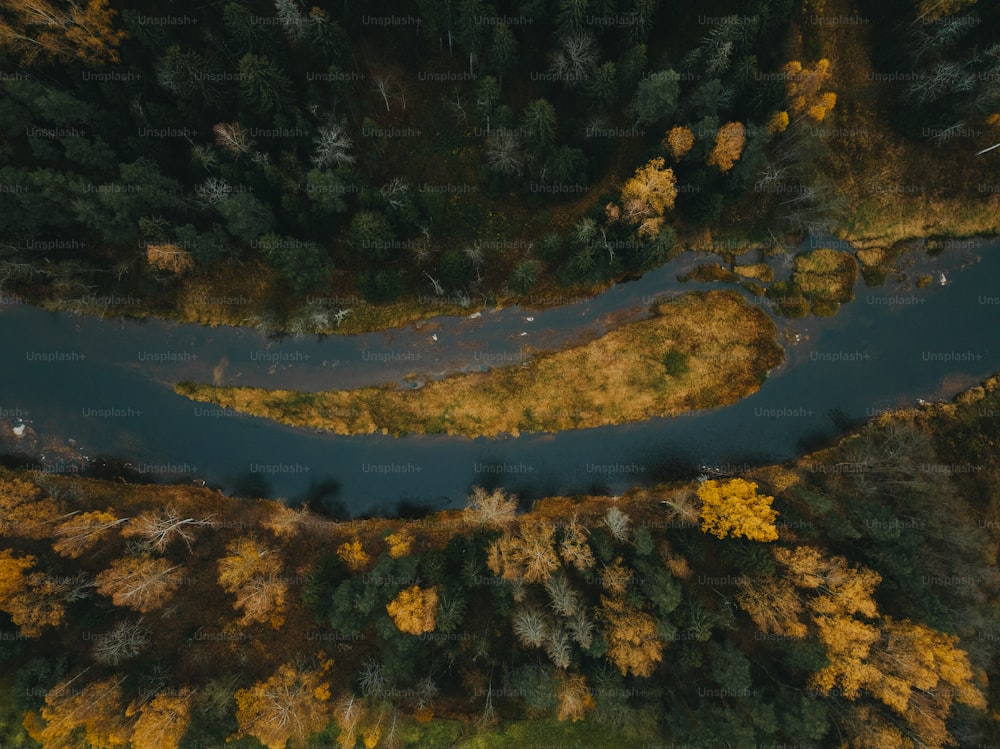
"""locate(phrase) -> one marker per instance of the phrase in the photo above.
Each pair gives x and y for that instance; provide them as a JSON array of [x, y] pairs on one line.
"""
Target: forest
[[846, 599], [344, 167], [325, 169]]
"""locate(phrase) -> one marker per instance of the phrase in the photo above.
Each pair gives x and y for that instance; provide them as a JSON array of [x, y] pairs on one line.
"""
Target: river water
[[87, 388]]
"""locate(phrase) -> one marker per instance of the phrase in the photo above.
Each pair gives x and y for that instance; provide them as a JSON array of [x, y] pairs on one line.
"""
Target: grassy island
[[697, 351]]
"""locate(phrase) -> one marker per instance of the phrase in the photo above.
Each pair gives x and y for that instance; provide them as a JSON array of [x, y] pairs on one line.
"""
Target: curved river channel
[[84, 387]]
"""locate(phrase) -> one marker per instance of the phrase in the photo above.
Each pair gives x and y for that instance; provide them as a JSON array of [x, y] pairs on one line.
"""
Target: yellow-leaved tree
[[80, 533], [289, 706], [804, 87], [24, 511], [646, 196], [679, 141], [574, 698], [633, 643], [414, 610], [915, 671], [160, 723], [734, 508], [528, 557], [400, 543], [729, 143], [95, 708], [60, 29], [353, 555], [140, 583], [33, 600], [252, 572]]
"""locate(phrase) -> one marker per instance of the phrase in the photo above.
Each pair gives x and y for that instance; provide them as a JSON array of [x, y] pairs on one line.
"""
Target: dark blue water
[[106, 385]]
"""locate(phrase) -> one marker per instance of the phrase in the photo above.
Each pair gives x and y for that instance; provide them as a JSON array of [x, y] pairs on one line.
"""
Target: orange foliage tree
[[34, 601], [414, 610], [774, 605], [139, 583], [916, 671], [80, 533], [529, 556], [574, 698], [353, 555], [646, 196], [289, 706], [161, 722], [574, 549], [96, 708], [24, 511], [804, 87], [679, 141], [633, 644], [61, 30], [734, 508], [399, 543], [251, 571], [729, 143]]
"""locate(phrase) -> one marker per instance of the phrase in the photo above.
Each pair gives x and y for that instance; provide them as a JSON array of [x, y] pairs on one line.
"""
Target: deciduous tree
[[414, 610], [490, 508], [142, 584], [159, 528], [353, 555], [25, 511], [61, 30], [251, 571], [735, 508], [161, 722], [729, 143], [633, 644], [289, 706], [96, 708], [80, 533], [804, 87], [646, 196], [529, 556], [679, 140], [774, 606], [574, 549], [400, 543]]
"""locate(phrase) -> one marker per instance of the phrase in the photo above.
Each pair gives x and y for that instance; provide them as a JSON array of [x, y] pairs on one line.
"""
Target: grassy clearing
[[700, 351], [825, 277]]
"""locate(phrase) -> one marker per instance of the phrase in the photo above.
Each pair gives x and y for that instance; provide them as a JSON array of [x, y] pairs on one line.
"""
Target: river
[[91, 389]]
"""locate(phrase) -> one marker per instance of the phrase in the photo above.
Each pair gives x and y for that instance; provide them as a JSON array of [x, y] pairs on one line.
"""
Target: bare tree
[[125, 641], [159, 529], [564, 599], [557, 647], [577, 57], [530, 626], [503, 152], [332, 146], [491, 508], [232, 137], [617, 522]]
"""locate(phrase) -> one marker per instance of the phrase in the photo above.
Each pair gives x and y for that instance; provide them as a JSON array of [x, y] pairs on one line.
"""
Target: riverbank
[[698, 351], [578, 607]]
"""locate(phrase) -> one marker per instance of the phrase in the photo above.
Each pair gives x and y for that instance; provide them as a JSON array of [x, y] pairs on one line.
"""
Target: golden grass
[[757, 271], [826, 277], [718, 347]]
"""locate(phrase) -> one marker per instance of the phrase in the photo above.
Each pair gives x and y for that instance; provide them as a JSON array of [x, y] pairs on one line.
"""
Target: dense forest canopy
[[446, 151]]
